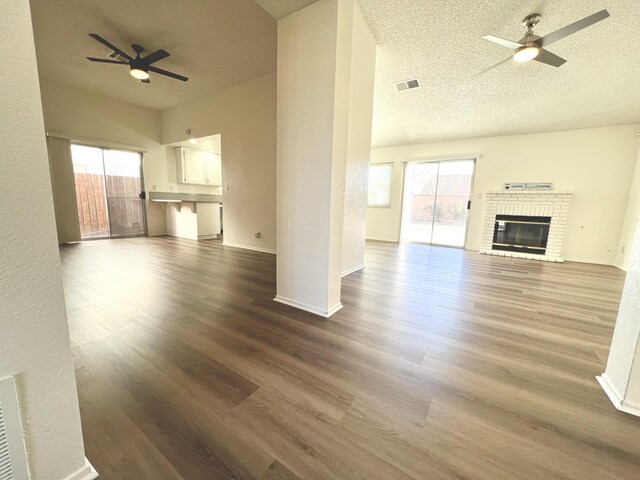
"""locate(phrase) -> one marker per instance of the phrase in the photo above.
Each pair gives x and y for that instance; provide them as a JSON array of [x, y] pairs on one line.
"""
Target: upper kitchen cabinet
[[196, 167]]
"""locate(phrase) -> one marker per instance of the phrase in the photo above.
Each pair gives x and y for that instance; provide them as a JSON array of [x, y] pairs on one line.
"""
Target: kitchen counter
[[175, 197]]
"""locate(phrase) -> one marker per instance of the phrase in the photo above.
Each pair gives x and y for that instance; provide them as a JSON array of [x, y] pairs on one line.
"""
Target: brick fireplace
[[522, 206]]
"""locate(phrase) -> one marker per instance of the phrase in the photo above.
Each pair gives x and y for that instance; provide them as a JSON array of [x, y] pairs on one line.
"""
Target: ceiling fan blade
[[493, 66], [155, 56], [545, 56], [573, 28], [503, 42], [168, 74], [146, 80], [109, 45], [106, 60]]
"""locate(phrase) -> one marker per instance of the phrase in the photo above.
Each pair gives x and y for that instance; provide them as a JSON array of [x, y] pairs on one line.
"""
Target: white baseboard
[[309, 308], [618, 401], [86, 472], [352, 270], [247, 247], [593, 262], [382, 240]]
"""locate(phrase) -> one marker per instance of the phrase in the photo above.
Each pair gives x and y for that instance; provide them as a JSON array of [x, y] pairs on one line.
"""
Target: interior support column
[[315, 58], [621, 380]]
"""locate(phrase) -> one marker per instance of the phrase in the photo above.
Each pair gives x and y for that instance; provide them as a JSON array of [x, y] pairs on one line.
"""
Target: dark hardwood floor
[[443, 364]]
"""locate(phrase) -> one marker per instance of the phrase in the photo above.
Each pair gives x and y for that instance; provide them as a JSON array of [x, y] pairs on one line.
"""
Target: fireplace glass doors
[[522, 234]]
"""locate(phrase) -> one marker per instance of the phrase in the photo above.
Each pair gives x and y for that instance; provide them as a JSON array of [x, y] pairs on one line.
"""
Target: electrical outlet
[[226, 187], [258, 235], [622, 250], [171, 188], [153, 187]]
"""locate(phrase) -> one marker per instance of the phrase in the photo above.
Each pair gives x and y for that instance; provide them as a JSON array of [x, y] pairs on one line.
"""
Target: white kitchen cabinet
[[194, 220], [196, 167]]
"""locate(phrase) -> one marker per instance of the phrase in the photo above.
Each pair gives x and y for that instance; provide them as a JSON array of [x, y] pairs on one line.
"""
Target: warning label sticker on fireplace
[[528, 186]]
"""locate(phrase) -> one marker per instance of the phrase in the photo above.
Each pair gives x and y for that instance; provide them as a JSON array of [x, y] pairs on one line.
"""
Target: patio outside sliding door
[[436, 199], [108, 192]]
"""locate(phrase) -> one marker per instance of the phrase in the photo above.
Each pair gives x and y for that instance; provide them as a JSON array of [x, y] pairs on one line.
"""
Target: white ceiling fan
[[533, 47]]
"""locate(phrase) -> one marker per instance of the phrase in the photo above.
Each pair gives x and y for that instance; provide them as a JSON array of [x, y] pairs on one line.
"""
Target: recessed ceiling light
[[193, 141]]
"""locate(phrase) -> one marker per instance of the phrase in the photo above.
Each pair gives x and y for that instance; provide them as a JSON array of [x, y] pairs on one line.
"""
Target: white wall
[[596, 165], [34, 339], [245, 115], [630, 221], [79, 114], [363, 60]]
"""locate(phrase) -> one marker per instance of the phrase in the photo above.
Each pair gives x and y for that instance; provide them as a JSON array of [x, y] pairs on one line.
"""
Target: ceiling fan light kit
[[139, 73], [533, 47], [139, 66], [526, 54]]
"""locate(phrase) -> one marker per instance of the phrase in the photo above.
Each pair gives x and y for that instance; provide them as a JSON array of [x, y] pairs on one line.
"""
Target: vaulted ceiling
[[218, 43]]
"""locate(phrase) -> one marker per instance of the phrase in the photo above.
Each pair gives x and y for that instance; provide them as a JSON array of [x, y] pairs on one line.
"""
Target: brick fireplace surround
[[534, 203]]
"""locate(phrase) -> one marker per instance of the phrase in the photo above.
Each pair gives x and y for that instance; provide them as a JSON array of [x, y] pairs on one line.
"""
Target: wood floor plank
[[277, 471], [443, 364], [113, 441]]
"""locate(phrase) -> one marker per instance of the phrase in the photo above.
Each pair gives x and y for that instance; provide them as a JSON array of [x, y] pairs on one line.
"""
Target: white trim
[[309, 308], [615, 397], [443, 158], [385, 240], [96, 142], [352, 270], [593, 262], [86, 472], [247, 247]]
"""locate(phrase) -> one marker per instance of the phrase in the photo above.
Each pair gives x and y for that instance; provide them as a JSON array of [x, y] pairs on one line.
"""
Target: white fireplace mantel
[[536, 204]]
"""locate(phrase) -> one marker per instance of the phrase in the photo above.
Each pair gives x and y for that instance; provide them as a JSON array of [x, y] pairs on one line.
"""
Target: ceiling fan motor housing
[[531, 21]]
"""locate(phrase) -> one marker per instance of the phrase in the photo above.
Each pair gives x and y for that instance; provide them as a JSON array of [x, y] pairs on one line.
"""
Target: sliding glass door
[[108, 192], [88, 172], [436, 200], [126, 209]]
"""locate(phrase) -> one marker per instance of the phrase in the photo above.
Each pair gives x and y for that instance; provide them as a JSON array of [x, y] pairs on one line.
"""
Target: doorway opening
[[436, 202], [108, 192]]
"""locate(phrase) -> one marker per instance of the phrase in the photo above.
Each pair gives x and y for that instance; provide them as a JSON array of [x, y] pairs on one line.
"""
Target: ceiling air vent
[[407, 85], [116, 56]]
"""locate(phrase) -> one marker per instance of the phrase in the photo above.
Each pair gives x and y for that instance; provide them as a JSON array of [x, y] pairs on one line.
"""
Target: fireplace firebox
[[524, 234]]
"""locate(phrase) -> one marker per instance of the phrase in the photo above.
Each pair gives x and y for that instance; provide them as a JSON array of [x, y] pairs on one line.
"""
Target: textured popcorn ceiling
[[440, 42], [216, 43]]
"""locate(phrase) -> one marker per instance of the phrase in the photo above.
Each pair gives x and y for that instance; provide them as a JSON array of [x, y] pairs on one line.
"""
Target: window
[[380, 185]]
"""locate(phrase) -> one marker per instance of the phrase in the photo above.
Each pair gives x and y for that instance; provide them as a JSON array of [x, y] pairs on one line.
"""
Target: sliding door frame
[[438, 160], [106, 192]]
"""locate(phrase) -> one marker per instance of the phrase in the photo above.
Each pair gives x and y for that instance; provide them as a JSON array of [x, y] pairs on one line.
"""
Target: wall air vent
[[407, 85], [13, 464]]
